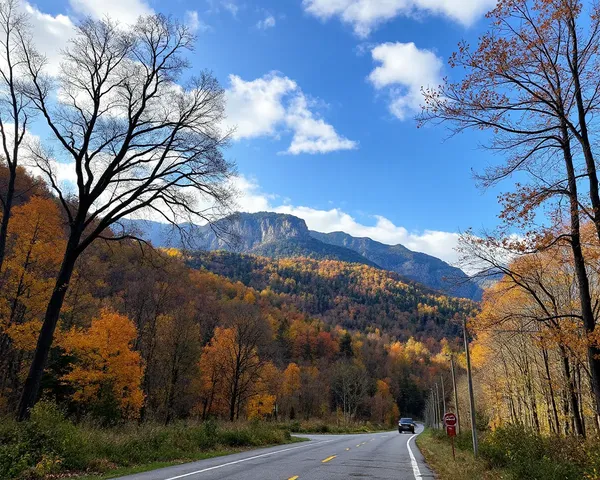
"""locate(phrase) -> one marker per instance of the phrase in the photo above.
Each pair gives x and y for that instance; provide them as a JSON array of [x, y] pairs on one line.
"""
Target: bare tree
[[15, 111], [242, 369], [349, 386], [135, 138]]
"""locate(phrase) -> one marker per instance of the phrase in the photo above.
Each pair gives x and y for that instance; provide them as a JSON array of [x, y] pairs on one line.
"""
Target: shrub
[[48, 443], [526, 454]]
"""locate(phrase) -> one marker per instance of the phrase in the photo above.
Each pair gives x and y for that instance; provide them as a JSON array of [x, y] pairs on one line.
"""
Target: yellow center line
[[293, 478], [328, 459]]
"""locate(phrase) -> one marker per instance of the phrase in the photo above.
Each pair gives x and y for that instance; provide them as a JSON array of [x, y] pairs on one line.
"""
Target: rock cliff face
[[244, 231]]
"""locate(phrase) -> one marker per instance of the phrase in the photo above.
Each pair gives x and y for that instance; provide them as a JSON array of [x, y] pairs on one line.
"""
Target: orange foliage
[[106, 364]]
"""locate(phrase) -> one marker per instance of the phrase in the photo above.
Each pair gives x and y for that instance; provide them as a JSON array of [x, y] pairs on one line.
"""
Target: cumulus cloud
[[273, 104], [366, 15], [403, 70], [50, 34], [312, 135], [125, 11], [437, 243], [266, 23], [193, 21]]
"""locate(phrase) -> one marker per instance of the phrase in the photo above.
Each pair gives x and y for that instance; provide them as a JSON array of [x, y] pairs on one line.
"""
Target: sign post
[[450, 423]]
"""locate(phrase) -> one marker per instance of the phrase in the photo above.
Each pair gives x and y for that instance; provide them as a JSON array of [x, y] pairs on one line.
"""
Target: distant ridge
[[423, 268], [279, 235]]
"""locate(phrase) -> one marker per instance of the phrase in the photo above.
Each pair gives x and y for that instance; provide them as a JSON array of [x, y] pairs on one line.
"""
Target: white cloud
[[312, 135], [365, 15], [50, 34], [404, 69], [193, 21], [124, 11], [437, 243], [269, 105], [256, 107], [267, 22], [231, 7]]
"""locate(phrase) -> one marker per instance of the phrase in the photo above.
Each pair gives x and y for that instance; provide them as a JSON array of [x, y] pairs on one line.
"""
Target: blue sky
[[323, 93]]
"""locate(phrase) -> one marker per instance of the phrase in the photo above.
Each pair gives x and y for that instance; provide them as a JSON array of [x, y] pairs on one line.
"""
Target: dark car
[[406, 425]]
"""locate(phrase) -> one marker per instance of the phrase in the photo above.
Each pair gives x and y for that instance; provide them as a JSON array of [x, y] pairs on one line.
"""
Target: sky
[[322, 95]]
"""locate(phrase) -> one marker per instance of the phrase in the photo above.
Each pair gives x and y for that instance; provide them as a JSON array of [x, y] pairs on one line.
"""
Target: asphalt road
[[326, 457]]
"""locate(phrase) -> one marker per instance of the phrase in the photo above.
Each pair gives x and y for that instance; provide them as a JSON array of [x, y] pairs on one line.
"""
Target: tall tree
[[522, 86], [15, 106], [135, 139]]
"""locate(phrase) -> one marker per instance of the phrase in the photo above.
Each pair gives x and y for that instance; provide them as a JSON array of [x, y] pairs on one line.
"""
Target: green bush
[[48, 443], [526, 454]]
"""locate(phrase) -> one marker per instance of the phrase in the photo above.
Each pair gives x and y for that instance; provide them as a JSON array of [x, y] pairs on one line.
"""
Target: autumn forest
[[107, 338]]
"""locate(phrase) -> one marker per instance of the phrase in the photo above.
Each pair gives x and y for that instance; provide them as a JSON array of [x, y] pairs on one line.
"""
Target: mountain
[[278, 235], [422, 268], [265, 234]]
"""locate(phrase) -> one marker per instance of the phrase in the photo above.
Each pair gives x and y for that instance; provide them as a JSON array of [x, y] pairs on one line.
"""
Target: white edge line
[[413, 460], [247, 459]]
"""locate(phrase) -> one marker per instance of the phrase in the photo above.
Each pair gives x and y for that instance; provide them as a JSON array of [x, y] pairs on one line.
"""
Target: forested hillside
[[354, 296], [420, 267]]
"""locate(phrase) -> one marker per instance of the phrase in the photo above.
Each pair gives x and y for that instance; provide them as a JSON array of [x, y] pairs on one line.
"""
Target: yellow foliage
[[291, 379], [261, 405], [105, 360]]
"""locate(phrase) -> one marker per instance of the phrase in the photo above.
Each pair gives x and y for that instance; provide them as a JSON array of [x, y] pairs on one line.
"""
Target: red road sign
[[451, 430], [450, 420]]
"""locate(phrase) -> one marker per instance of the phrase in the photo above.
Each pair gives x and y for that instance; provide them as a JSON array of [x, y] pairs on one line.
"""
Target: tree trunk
[[583, 134], [551, 389], [31, 390], [583, 284], [6, 211], [233, 401], [572, 393]]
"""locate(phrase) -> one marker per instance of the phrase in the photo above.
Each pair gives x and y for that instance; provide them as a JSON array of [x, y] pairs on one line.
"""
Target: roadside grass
[[50, 445], [437, 451], [512, 452], [121, 472]]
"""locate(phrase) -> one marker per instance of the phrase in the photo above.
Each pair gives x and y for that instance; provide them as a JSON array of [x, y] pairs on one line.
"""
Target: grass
[[512, 452], [50, 445], [437, 450]]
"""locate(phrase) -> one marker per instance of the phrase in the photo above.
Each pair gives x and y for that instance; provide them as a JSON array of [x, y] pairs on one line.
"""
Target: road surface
[[326, 457]]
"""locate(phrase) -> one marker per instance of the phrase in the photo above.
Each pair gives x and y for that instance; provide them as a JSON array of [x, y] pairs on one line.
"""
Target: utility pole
[[471, 395], [443, 395], [455, 395]]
